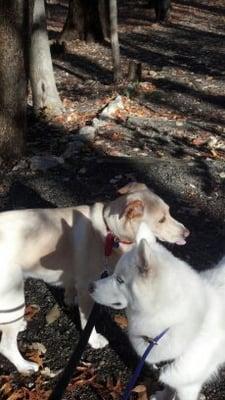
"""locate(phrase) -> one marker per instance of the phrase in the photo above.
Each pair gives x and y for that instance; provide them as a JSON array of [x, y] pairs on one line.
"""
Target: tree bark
[[44, 91], [134, 71], [13, 83], [87, 20], [114, 40]]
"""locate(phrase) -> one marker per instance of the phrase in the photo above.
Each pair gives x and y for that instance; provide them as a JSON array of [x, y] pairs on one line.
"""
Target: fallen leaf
[[6, 388], [37, 346], [18, 394], [35, 353], [53, 314], [9, 383], [141, 392], [199, 141], [116, 389], [36, 357], [121, 321], [27, 394], [50, 374], [31, 311], [86, 375]]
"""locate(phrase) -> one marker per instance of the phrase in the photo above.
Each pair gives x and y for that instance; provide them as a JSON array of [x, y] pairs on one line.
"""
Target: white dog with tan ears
[[67, 246], [159, 292]]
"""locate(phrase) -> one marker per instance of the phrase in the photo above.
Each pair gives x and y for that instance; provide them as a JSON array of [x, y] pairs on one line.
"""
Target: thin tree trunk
[[134, 71], [103, 9], [114, 39], [13, 84], [44, 91], [86, 20]]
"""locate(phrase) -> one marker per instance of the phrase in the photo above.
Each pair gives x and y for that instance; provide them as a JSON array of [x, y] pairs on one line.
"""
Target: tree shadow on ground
[[85, 68], [206, 242], [187, 56], [201, 5], [170, 98], [96, 185]]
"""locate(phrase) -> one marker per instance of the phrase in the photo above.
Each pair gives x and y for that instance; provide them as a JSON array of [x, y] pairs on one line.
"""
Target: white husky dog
[[160, 291]]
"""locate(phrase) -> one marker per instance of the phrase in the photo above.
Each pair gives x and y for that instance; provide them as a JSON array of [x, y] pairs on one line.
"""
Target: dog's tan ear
[[143, 256], [134, 209], [132, 187]]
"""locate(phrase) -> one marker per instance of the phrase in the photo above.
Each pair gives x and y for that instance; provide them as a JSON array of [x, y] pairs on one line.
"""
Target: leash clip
[[116, 242], [150, 340]]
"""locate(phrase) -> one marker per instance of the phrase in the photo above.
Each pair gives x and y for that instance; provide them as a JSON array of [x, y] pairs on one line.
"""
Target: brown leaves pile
[[9, 390], [35, 352], [132, 108], [110, 389], [87, 375]]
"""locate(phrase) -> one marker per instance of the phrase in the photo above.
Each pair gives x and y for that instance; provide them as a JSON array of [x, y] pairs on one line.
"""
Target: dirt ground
[[170, 135]]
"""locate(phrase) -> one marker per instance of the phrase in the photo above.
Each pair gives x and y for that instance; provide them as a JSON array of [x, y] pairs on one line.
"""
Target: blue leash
[[140, 365]]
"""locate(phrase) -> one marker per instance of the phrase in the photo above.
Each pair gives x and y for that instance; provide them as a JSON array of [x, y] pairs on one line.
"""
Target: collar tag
[[116, 242], [149, 340], [113, 242]]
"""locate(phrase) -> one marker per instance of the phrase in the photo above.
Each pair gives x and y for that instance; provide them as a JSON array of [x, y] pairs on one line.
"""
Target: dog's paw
[[23, 326], [97, 341], [28, 368], [165, 394]]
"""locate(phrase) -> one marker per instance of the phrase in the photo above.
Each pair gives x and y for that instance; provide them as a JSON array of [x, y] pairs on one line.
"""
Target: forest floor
[[170, 134]]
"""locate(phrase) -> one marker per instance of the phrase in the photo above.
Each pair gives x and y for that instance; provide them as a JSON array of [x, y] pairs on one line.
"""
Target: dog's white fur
[[160, 291], [65, 246]]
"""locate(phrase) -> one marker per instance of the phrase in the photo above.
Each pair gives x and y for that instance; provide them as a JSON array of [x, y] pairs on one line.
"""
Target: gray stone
[[222, 175], [43, 163], [111, 108], [22, 164], [96, 123], [87, 132]]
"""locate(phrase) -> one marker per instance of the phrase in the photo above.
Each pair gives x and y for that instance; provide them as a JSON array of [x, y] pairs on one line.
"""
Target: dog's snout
[[186, 232], [91, 287]]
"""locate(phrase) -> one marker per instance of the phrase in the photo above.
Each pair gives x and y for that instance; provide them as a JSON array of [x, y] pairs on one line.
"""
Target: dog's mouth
[[116, 305], [181, 242]]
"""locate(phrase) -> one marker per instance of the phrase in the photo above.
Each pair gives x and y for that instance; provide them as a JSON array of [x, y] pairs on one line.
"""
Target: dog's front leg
[[166, 394], [9, 348], [12, 307], [70, 295], [195, 366], [96, 340], [186, 389]]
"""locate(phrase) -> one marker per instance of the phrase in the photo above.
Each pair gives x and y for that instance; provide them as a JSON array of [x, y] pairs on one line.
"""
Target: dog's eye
[[162, 220], [119, 280]]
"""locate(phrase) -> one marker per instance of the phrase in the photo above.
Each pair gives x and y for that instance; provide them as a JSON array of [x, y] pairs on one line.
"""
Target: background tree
[[44, 91], [13, 84], [114, 39], [87, 20]]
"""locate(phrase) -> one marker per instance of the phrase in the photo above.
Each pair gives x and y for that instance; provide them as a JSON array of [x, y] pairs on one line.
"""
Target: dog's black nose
[[91, 287]]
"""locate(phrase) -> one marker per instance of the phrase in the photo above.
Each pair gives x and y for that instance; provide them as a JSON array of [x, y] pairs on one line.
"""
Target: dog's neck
[[116, 225]]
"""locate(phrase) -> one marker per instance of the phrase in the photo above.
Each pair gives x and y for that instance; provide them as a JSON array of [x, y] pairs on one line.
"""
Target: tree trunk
[[13, 84], [87, 20], [44, 91], [134, 71], [114, 39]]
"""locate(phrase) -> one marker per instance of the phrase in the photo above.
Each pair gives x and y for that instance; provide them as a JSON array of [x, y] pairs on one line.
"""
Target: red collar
[[112, 241]]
